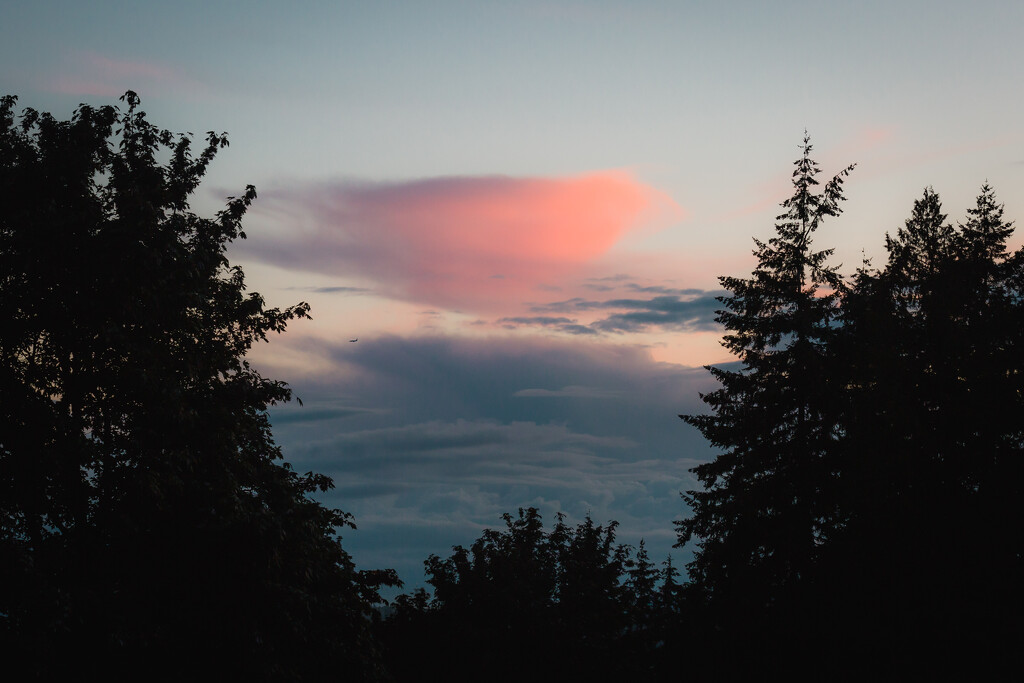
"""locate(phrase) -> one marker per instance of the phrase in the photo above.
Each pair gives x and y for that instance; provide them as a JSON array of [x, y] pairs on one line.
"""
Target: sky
[[520, 210]]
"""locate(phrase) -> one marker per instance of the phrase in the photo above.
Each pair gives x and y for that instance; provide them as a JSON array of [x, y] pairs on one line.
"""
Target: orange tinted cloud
[[475, 244]]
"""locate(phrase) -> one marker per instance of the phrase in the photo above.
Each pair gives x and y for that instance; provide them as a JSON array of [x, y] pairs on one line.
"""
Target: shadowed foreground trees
[[145, 518], [523, 603], [862, 516], [931, 540], [862, 520], [864, 511], [762, 511]]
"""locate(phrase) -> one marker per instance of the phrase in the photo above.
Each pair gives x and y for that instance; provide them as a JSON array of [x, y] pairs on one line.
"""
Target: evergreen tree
[[985, 233], [921, 250], [928, 341], [145, 516], [933, 409], [668, 594], [646, 622], [899, 327], [762, 514], [992, 318], [642, 579]]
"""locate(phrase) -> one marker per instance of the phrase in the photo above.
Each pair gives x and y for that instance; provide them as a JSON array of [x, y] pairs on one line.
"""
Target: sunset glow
[[521, 211], [477, 244]]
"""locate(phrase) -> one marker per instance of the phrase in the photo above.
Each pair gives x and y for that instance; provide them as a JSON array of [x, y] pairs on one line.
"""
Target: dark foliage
[[523, 603], [146, 521], [861, 518], [761, 515], [931, 543], [861, 521]]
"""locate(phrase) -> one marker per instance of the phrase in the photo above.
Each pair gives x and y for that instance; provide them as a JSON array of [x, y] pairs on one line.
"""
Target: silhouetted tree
[[668, 594], [862, 515], [525, 603], [145, 518], [896, 326], [930, 348], [642, 579], [761, 515], [645, 624], [943, 386], [591, 594]]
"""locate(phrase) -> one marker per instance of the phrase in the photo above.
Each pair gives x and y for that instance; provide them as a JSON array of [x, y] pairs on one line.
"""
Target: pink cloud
[[93, 74], [466, 243]]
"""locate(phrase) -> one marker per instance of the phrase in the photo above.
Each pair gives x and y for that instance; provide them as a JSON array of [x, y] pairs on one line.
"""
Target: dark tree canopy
[[145, 513], [872, 450], [564, 604], [760, 516], [861, 517], [861, 521], [932, 454]]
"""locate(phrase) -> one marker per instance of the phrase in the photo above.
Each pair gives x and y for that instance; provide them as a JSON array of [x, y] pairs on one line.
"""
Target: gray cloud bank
[[430, 439], [690, 310]]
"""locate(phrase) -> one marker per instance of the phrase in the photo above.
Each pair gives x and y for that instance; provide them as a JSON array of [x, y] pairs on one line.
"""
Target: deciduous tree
[[146, 517]]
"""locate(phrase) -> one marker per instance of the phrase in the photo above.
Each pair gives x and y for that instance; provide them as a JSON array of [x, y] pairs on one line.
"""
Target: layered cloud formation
[[430, 439], [476, 244]]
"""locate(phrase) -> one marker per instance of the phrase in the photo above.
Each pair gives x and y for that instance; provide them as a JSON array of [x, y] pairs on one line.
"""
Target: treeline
[[862, 517], [565, 603]]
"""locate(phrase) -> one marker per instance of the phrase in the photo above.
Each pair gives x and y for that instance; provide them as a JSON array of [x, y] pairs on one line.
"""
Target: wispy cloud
[[475, 244], [681, 309], [332, 290], [656, 289], [90, 73], [666, 312], [537, 320], [572, 391]]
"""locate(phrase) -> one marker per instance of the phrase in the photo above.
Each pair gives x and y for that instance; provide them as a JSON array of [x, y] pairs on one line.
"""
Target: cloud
[[475, 244], [570, 392], [537, 320], [332, 290], [668, 312], [481, 442], [90, 73], [430, 439], [684, 309], [618, 277], [297, 414], [557, 324], [654, 289], [577, 329]]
